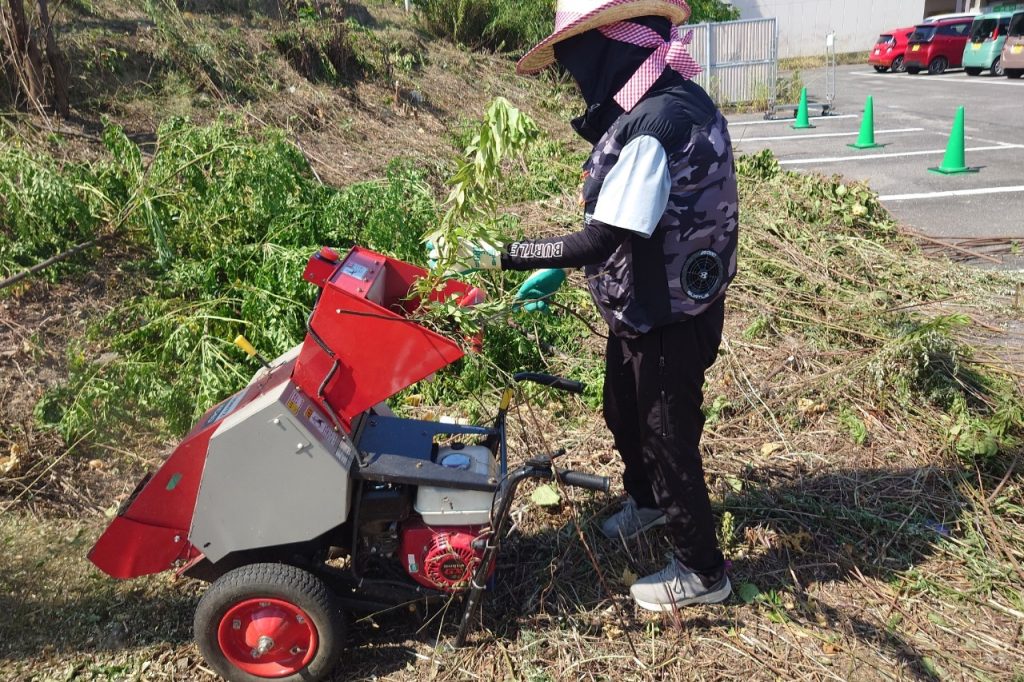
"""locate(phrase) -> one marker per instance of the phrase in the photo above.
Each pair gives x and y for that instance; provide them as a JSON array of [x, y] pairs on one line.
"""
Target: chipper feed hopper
[[303, 497]]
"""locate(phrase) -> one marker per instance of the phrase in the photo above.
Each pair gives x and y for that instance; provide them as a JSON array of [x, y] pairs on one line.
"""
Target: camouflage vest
[[688, 262]]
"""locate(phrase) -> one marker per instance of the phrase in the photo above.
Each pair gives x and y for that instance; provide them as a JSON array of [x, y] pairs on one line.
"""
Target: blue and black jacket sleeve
[[593, 244]]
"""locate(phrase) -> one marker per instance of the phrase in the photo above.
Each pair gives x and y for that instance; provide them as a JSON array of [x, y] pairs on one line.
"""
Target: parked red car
[[889, 51], [937, 46]]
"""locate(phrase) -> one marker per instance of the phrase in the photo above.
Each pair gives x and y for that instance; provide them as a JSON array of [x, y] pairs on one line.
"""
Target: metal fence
[[740, 60]]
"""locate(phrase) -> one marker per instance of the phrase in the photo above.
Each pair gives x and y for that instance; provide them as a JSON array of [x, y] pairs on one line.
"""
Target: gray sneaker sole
[[713, 597], [660, 521]]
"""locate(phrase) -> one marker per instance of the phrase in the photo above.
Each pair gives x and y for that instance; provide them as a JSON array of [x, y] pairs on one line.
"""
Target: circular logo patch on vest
[[702, 275]]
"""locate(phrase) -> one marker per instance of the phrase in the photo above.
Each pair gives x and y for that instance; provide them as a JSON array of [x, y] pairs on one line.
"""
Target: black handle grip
[[578, 479], [551, 380]]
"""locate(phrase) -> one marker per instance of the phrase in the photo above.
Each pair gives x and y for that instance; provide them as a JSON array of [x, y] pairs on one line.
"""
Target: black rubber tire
[[938, 66], [972, 71], [997, 68], [898, 66], [1014, 73], [881, 69], [276, 581], [913, 70]]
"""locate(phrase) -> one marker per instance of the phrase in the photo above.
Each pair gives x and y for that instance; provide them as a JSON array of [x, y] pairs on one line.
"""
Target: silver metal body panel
[[274, 364], [277, 472]]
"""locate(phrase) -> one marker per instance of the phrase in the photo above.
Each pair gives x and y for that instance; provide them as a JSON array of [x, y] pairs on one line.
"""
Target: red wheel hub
[[267, 637]]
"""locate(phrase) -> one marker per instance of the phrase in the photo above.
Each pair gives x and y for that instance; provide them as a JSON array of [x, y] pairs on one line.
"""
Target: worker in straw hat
[[659, 249]]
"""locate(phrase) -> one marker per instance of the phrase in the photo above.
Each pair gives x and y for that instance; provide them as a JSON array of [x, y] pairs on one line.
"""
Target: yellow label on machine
[[975, 46], [1017, 49], [916, 48]]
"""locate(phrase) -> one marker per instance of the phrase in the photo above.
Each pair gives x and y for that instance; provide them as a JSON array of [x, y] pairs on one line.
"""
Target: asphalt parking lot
[[913, 118]]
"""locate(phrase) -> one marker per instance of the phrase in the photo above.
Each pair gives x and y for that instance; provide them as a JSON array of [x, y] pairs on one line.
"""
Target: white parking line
[[807, 137], [866, 157], [954, 193], [975, 138], [787, 120], [960, 77], [986, 79]]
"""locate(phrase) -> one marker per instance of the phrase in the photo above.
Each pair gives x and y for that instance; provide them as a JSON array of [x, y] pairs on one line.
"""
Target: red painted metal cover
[[128, 549], [362, 317], [151, 532]]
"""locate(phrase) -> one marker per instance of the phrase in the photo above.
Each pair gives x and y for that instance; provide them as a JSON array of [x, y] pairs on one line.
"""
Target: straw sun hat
[[573, 17]]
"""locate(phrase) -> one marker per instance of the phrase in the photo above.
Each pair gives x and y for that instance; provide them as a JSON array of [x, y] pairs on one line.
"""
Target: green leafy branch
[[471, 210]]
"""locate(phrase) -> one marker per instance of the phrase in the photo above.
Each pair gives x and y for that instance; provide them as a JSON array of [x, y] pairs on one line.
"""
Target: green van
[[985, 47]]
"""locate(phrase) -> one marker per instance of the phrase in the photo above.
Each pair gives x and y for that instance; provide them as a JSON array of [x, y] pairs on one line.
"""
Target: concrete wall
[[803, 24]]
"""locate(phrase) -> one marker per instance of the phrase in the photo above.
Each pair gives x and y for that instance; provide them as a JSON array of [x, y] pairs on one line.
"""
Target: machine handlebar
[[579, 479], [551, 381]]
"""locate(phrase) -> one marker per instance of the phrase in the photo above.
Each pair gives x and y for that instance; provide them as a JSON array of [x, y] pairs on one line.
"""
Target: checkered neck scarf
[[671, 53]]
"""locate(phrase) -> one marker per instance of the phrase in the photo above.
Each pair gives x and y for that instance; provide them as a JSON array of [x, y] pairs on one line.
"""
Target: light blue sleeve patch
[[634, 195]]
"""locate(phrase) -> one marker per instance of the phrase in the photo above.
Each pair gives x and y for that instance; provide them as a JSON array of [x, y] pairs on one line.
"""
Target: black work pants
[[653, 392]]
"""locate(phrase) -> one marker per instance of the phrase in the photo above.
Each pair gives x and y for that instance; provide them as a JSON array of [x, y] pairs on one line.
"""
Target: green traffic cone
[[866, 139], [803, 120], [955, 162]]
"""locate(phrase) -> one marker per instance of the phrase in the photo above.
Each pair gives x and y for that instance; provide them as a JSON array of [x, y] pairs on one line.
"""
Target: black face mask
[[601, 67]]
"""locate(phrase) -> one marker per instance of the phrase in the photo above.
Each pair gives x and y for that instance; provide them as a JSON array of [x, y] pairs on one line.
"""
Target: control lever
[[545, 461]]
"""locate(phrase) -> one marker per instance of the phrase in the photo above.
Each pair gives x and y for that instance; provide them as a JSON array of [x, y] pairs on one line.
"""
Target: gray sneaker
[[676, 586], [631, 520]]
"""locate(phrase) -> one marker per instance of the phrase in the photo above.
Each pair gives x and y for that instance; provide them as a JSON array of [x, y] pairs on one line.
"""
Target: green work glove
[[464, 257], [540, 286]]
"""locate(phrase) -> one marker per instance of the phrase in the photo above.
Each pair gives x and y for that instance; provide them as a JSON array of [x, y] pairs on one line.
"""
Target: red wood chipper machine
[[303, 498]]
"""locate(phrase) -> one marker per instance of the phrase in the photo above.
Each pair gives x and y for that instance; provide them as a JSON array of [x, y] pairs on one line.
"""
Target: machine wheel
[[997, 68], [1014, 73], [972, 71], [938, 66], [898, 66], [881, 69], [270, 621], [913, 70]]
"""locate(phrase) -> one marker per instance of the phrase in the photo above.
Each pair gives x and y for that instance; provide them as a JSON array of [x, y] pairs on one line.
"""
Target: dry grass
[[819, 61]]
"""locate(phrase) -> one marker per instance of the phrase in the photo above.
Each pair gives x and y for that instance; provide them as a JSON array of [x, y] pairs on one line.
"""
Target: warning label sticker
[[320, 427], [295, 401], [345, 456]]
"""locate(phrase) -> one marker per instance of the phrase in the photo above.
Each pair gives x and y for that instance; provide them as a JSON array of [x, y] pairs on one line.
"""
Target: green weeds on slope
[[497, 24], [517, 25], [228, 217], [225, 219]]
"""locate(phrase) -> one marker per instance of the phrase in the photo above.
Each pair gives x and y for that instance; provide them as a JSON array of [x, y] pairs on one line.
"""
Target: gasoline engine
[[437, 540]]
